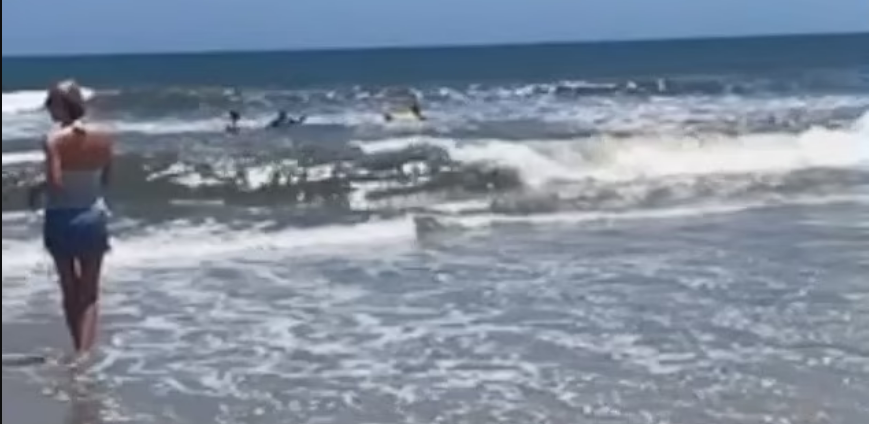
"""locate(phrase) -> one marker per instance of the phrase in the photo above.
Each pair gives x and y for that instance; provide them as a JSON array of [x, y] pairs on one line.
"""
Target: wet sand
[[23, 399], [23, 403]]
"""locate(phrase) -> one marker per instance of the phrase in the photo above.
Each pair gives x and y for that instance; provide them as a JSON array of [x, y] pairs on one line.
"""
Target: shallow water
[[752, 316]]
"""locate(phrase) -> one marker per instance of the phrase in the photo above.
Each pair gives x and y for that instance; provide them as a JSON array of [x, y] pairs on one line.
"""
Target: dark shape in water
[[23, 360], [284, 120]]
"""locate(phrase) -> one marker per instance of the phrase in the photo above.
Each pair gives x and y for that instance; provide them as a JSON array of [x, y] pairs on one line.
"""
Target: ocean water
[[657, 232]]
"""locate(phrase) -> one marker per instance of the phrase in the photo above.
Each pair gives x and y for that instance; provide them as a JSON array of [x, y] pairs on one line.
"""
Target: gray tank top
[[81, 189]]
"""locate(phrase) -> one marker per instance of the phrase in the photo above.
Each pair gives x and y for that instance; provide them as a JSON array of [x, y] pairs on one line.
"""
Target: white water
[[573, 218], [30, 100], [194, 338], [22, 157], [541, 162], [484, 322], [183, 244], [23, 118]]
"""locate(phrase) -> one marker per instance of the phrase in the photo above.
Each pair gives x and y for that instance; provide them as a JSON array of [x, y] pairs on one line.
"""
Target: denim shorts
[[76, 233]]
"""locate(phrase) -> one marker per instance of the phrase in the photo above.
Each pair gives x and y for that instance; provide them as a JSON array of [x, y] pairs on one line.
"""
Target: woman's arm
[[52, 164], [107, 168], [107, 174]]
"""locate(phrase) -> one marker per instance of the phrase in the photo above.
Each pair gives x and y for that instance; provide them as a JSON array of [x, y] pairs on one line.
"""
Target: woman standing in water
[[77, 164]]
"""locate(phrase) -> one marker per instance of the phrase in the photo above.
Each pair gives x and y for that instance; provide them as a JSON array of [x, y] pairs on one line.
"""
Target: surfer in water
[[232, 127], [413, 109], [284, 120], [78, 162]]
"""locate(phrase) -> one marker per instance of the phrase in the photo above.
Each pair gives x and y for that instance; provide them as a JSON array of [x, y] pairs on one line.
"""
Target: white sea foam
[[31, 100], [486, 220], [212, 310], [22, 157], [172, 326], [184, 244], [862, 131], [21, 117], [36, 125], [541, 162]]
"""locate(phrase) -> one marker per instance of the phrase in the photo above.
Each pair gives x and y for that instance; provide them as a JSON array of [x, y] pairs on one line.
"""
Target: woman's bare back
[[77, 149]]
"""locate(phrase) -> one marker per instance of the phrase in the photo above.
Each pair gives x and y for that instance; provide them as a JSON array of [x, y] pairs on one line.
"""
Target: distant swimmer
[[232, 127], [284, 120], [416, 111], [413, 110], [78, 161]]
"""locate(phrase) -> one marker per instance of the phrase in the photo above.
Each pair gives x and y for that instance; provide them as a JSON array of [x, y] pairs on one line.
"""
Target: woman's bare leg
[[88, 297], [66, 271]]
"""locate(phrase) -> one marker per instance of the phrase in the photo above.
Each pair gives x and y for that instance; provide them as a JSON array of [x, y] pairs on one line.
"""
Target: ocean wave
[[173, 99], [183, 243], [338, 176], [427, 224], [542, 162], [22, 157], [31, 100], [512, 118], [588, 173]]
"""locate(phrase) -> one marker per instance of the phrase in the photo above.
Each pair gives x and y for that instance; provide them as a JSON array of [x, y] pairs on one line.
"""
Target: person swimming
[[283, 120], [78, 163], [232, 126], [414, 109]]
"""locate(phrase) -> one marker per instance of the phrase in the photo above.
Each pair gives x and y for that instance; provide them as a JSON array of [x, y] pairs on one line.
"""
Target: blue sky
[[98, 26]]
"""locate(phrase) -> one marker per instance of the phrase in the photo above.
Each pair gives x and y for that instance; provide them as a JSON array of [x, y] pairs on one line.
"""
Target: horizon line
[[399, 47]]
